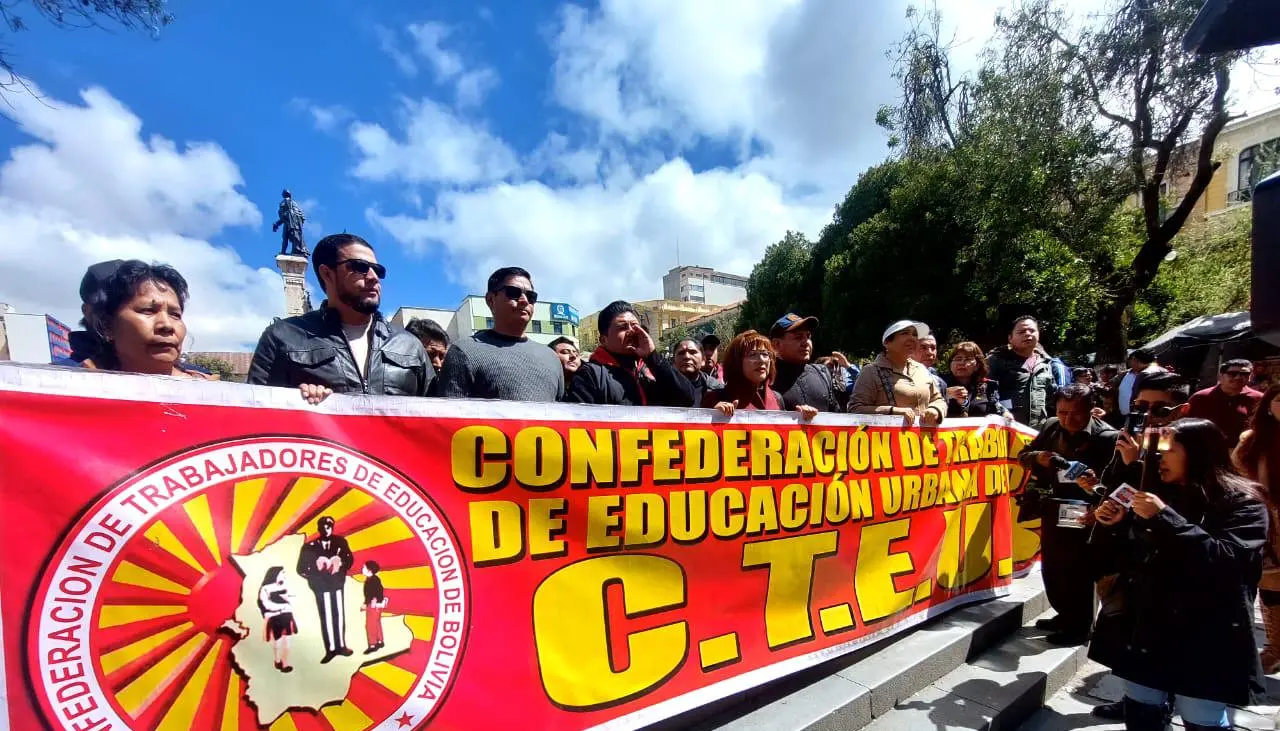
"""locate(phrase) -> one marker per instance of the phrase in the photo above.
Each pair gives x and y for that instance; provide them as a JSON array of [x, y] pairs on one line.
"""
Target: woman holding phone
[[1178, 622]]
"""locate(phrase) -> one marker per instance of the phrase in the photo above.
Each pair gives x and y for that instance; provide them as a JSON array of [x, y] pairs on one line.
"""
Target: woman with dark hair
[[750, 366], [1178, 620], [969, 391], [1258, 458], [274, 603], [138, 321]]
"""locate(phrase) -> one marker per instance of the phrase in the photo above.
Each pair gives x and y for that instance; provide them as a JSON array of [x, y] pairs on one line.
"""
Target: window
[[488, 322], [537, 327], [557, 328], [1255, 163], [479, 323]]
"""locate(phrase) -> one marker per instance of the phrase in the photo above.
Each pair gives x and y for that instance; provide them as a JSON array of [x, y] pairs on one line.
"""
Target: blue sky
[[581, 141]]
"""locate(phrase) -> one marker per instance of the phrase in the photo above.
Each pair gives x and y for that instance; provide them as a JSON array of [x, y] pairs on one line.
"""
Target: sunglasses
[[362, 267], [1159, 412], [1237, 374], [513, 293]]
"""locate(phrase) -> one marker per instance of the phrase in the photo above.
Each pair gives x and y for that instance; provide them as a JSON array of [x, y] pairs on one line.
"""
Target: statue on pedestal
[[292, 218]]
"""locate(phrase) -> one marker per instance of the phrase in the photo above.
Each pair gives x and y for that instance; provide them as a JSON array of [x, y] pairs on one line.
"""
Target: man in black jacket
[[625, 370], [798, 380], [1074, 435], [688, 357], [345, 346]]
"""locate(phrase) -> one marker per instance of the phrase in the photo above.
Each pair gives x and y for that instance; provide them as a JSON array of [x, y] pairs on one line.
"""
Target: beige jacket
[[914, 390]]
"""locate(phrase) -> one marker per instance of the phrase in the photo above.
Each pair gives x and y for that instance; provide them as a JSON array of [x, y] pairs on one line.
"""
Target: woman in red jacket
[[750, 365]]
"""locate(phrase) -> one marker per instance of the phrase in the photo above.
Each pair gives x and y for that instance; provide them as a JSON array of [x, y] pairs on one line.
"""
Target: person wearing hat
[[895, 384], [84, 343], [711, 357], [800, 382]]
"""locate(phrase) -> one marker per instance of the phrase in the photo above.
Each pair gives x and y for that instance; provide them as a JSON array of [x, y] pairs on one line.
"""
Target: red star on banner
[[405, 720]]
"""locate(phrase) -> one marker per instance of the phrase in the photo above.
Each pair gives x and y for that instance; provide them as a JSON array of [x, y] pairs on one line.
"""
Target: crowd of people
[[1158, 507]]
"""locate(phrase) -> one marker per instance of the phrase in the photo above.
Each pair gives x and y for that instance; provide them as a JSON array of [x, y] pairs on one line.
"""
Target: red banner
[[205, 556]]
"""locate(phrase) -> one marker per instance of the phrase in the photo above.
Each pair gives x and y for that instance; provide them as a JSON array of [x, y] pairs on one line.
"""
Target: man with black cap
[[799, 381], [711, 357]]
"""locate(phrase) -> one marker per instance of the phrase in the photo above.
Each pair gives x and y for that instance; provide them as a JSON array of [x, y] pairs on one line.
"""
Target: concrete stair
[[977, 667]]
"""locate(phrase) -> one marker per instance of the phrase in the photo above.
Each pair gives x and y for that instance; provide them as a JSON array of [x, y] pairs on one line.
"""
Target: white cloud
[[589, 244], [470, 85], [437, 147], [390, 45], [90, 188], [797, 81], [429, 37], [473, 86], [328, 118]]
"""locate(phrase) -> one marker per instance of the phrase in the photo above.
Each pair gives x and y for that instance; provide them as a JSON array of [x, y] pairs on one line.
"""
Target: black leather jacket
[[311, 348]]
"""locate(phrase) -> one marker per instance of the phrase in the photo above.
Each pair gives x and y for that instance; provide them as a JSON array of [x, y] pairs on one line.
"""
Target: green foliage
[[1013, 192], [778, 284], [1211, 273], [215, 365]]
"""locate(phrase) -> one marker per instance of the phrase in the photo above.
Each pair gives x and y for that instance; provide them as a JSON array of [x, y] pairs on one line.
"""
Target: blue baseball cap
[[792, 321]]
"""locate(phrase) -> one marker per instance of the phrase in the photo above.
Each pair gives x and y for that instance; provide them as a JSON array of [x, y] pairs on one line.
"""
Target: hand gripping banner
[[219, 557]]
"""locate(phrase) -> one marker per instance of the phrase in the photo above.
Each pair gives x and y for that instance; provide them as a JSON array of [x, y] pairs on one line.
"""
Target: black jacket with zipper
[[311, 349]]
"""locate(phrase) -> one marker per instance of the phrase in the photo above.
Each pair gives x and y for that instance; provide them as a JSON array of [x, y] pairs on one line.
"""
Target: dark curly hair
[[117, 290]]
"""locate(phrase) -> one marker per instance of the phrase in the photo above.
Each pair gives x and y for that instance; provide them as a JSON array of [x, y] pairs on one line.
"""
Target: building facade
[[701, 285], [657, 316], [550, 319], [1249, 150]]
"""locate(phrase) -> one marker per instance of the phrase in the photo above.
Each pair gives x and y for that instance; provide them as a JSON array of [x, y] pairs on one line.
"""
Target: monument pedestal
[[294, 270]]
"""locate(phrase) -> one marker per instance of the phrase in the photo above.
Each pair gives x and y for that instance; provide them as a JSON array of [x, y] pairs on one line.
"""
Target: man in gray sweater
[[502, 363]]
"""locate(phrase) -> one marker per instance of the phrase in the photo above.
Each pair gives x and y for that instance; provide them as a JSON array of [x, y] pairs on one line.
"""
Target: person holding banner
[[895, 384], [136, 321], [1188, 555], [346, 346], [626, 370], [502, 362], [750, 365]]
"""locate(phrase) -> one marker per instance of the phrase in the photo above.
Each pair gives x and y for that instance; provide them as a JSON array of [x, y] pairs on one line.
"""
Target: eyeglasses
[[513, 293], [362, 267], [1159, 410], [762, 355], [1237, 374]]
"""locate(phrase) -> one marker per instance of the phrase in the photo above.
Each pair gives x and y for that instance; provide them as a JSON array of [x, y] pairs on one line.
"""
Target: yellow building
[[1249, 150], [657, 316]]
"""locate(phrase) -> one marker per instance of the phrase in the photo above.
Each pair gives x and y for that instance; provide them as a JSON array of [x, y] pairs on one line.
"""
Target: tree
[[778, 284], [1106, 109], [148, 15], [214, 365]]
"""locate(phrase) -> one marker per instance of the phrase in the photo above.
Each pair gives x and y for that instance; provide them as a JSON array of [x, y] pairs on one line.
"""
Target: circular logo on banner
[[269, 583]]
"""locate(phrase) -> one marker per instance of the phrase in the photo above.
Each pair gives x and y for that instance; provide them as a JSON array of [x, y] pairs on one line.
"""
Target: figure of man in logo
[[324, 563]]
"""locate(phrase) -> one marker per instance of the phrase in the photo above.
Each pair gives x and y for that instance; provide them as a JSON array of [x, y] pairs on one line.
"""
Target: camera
[[1135, 422]]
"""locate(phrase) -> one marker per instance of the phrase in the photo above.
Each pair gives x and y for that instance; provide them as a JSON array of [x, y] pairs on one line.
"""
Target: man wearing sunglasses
[[501, 363], [1229, 403], [346, 346]]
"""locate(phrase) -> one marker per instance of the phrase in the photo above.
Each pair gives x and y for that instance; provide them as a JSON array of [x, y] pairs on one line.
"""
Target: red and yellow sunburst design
[[160, 655]]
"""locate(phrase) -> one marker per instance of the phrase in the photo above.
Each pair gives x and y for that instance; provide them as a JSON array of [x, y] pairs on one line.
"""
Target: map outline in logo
[[67, 668]]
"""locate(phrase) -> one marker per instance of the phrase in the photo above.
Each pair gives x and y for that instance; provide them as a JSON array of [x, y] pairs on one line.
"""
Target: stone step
[[854, 690], [997, 691]]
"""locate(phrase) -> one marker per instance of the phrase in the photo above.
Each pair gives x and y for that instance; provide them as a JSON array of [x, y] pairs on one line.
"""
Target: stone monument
[[293, 262]]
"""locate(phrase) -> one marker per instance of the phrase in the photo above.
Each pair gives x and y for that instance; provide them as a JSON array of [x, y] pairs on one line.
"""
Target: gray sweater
[[488, 365]]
